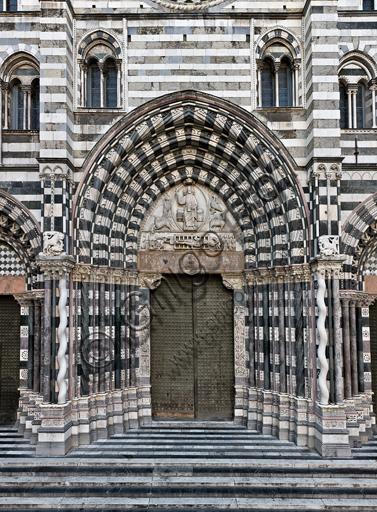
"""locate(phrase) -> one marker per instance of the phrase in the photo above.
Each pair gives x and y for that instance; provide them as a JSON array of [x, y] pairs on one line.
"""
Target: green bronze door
[[9, 357], [192, 356]]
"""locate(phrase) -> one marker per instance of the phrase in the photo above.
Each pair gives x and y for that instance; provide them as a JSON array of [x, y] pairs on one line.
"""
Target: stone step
[[210, 504], [250, 482]]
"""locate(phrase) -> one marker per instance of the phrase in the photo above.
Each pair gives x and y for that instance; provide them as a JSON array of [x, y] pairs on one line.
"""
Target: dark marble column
[[360, 347], [133, 306], [300, 377], [251, 336], [282, 356], [338, 352], [346, 348], [101, 339], [37, 346], [266, 336], [117, 344], [46, 344], [353, 338]]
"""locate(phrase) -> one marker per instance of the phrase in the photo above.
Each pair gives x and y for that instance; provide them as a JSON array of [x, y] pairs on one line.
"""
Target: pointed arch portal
[[191, 176]]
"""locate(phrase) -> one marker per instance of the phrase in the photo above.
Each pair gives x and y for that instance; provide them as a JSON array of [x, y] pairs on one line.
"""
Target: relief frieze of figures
[[190, 216]]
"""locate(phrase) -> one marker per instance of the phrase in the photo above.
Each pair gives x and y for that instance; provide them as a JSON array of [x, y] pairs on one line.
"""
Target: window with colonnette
[[278, 70], [357, 94], [100, 75], [20, 93], [8, 5]]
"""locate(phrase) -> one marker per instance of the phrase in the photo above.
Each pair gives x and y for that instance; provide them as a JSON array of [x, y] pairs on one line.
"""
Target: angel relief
[[190, 216]]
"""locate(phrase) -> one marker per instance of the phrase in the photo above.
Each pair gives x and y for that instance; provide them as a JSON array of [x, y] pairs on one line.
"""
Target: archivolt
[[357, 233], [20, 230], [216, 144]]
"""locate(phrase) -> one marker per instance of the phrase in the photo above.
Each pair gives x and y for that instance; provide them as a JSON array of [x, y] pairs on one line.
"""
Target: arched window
[[278, 70], [268, 84], [343, 106], [20, 76], [34, 105], [285, 84], [111, 97], [100, 83], [94, 85]]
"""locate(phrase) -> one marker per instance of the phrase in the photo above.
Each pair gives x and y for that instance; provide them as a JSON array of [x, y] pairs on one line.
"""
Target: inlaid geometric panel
[[10, 262]]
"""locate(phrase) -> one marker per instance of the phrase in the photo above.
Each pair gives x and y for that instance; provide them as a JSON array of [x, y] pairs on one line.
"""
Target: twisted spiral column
[[324, 367], [62, 360]]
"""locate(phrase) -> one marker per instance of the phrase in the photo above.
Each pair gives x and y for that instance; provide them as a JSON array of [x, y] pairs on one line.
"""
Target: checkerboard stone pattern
[[370, 268], [10, 262]]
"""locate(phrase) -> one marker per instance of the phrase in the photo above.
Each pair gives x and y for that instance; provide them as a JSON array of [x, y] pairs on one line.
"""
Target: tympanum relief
[[190, 217]]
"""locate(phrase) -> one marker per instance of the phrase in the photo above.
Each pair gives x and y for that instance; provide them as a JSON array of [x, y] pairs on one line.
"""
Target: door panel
[[214, 349], [192, 359], [172, 369], [9, 357]]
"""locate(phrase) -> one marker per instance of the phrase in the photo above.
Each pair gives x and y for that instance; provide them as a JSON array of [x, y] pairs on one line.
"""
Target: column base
[[331, 434], [55, 433]]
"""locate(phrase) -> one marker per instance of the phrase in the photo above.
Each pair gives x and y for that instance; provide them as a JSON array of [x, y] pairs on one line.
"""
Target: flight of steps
[[186, 467]]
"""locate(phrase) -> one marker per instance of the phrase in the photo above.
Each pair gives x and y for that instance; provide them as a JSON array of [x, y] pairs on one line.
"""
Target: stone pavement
[[186, 467]]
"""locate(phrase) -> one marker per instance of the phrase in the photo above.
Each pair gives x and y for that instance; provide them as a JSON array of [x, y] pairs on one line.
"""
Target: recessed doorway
[[192, 352]]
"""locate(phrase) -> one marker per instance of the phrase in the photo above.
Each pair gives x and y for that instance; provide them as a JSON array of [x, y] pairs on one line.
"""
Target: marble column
[[338, 349], [353, 341], [346, 348], [38, 304], [251, 335]]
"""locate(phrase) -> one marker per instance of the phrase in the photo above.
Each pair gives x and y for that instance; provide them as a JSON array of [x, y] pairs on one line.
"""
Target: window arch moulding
[[357, 76], [99, 56], [280, 46], [20, 92]]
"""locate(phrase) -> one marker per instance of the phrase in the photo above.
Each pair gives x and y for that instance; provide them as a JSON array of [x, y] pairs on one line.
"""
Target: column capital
[[362, 299], [24, 299], [151, 281], [327, 266], [233, 280], [55, 267]]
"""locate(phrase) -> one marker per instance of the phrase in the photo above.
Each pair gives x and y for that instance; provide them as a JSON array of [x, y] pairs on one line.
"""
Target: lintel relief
[[190, 226]]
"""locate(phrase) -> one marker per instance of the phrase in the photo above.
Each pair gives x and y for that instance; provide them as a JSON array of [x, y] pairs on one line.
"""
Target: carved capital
[[25, 299], [233, 280], [55, 267], [81, 273], [149, 281], [132, 277], [100, 274], [327, 267]]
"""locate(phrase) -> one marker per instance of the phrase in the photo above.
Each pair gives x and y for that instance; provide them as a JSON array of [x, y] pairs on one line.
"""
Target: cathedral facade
[[188, 218]]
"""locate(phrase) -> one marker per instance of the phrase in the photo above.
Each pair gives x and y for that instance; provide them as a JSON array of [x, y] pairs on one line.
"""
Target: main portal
[[192, 354]]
